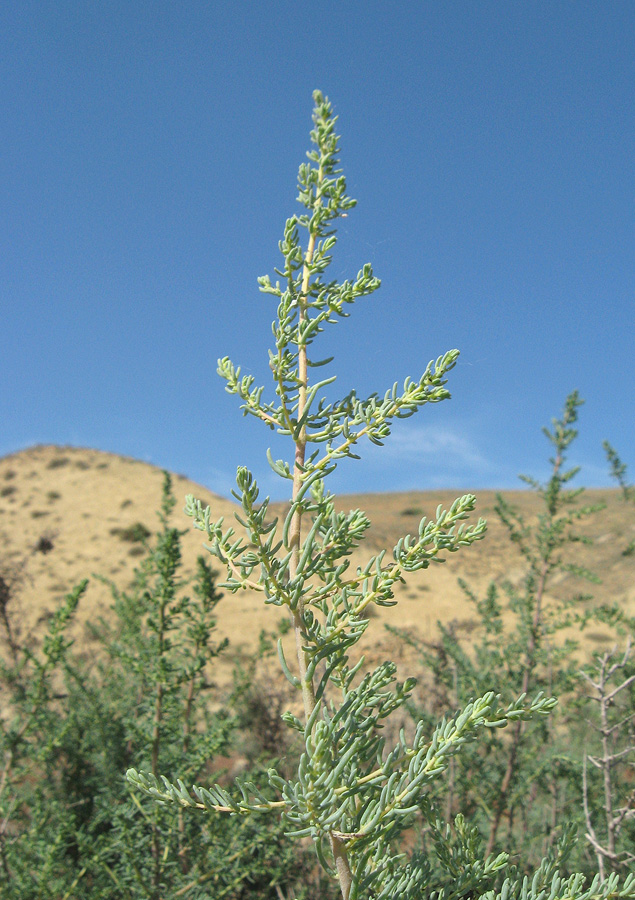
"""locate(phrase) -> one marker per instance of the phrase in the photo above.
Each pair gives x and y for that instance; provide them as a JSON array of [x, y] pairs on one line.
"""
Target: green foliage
[[30, 738], [355, 793], [71, 826], [136, 533], [520, 793], [58, 462], [618, 472]]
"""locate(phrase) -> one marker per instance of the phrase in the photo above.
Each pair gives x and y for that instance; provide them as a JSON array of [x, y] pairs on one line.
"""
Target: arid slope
[[66, 513]]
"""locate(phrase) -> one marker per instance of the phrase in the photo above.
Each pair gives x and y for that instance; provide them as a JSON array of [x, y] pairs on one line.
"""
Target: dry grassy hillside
[[66, 513]]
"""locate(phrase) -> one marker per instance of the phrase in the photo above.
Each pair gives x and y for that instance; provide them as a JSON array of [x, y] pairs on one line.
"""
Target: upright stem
[[530, 664], [590, 833], [295, 531], [605, 731], [156, 742], [606, 853], [187, 728], [295, 538], [452, 767]]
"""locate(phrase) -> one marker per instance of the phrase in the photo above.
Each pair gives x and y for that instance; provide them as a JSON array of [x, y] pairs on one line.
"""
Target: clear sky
[[148, 163]]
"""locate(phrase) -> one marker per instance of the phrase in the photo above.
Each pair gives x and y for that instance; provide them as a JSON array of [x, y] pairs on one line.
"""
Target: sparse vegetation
[[619, 473], [58, 462], [136, 533], [44, 544]]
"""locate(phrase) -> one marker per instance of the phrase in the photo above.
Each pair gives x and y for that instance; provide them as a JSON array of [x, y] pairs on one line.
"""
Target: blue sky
[[149, 161]]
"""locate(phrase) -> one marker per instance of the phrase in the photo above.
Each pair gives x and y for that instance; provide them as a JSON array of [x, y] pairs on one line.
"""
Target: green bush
[[136, 533], [72, 826]]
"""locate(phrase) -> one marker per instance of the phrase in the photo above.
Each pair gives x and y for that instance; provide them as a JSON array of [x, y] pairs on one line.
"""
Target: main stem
[[530, 664], [295, 531], [155, 748], [606, 764], [295, 537]]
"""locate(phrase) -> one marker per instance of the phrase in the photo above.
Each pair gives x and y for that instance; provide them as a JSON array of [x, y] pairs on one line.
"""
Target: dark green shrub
[[73, 827], [58, 462], [136, 533]]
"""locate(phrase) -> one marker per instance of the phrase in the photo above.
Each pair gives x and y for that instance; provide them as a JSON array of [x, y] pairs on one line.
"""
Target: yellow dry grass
[[80, 499]]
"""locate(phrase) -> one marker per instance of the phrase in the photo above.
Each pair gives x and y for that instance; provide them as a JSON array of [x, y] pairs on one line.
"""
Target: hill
[[67, 513]]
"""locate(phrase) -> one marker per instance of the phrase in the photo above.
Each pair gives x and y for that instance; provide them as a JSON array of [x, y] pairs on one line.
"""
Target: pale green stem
[[295, 539], [530, 663]]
